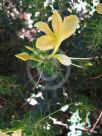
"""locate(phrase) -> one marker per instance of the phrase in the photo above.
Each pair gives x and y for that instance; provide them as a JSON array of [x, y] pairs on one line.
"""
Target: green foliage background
[[84, 85]]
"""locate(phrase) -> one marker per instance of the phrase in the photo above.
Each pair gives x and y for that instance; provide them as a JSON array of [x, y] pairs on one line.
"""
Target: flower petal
[[23, 56], [69, 26], [42, 26], [3, 134], [63, 59], [17, 133], [45, 43], [99, 8], [57, 23]]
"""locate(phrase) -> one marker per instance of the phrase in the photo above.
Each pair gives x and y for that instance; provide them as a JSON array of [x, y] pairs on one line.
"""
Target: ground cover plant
[[50, 68]]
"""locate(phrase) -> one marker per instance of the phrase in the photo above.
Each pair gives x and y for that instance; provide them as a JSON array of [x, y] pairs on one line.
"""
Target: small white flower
[[33, 95], [69, 10], [46, 3], [39, 95], [49, 19], [37, 14], [12, 15], [32, 101], [56, 122], [48, 126], [83, 8], [40, 86], [15, 11], [30, 26], [78, 103], [64, 108]]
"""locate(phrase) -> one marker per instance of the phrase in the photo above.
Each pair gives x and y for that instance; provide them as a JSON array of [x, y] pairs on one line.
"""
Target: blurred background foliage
[[83, 86]]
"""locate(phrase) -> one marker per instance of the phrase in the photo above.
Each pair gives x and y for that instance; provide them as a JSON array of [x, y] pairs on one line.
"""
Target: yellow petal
[[17, 133], [99, 8], [29, 48], [57, 23], [69, 26], [45, 43], [63, 59], [3, 134], [23, 56], [42, 26]]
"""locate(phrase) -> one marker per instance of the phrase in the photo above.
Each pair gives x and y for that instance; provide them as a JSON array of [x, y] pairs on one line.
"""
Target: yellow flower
[[99, 8], [61, 31]]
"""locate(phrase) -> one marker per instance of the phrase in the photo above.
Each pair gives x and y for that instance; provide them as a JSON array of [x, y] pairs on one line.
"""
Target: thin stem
[[85, 129], [47, 117], [77, 66], [97, 42], [94, 126], [38, 80], [36, 59], [80, 58]]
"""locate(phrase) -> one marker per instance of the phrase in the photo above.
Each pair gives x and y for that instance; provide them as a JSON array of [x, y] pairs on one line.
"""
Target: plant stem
[[94, 126], [77, 66], [80, 58], [47, 117]]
